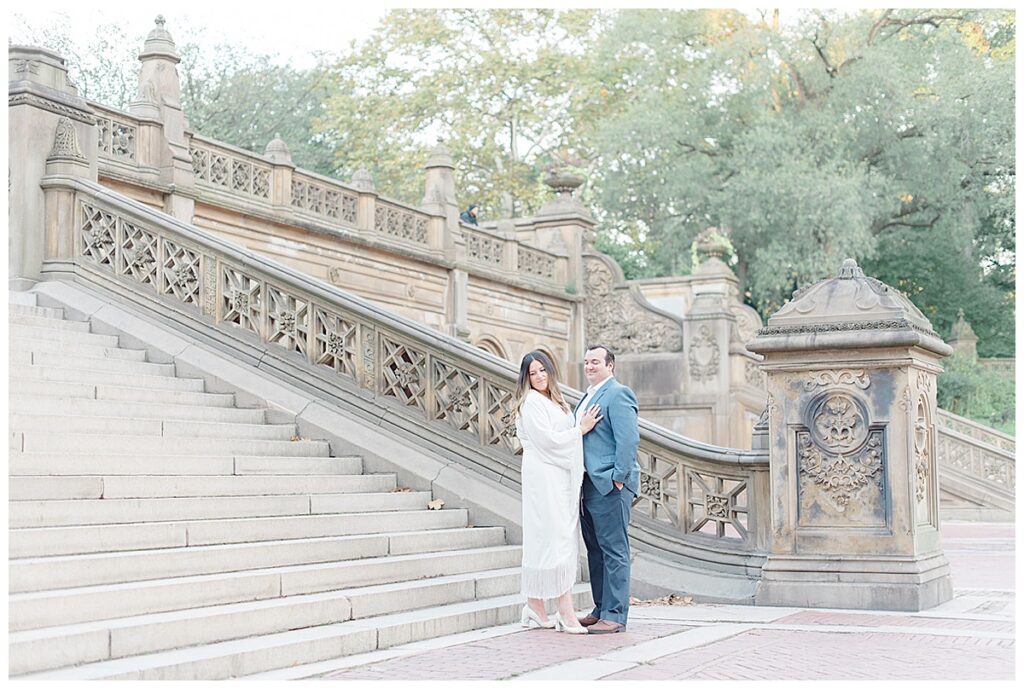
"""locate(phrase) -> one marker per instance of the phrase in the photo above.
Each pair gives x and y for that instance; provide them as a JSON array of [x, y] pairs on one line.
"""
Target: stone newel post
[[852, 367]]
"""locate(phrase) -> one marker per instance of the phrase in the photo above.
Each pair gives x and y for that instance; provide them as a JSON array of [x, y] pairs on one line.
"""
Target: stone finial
[[564, 184], [277, 151], [65, 142], [440, 157], [159, 42], [363, 180], [962, 330]]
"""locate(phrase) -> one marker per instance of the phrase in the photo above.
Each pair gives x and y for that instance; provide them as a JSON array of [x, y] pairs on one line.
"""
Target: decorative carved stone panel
[[401, 224], [484, 249], [500, 427], [65, 141], [116, 139], [617, 319], [179, 274], [98, 236], [716, 505], [241, 299], [287, 320], [403, 371], [369, 377], [138, 256], [704, 355], [840, 463], [534, 262], [658, 495], [334, 342], [456, 397]]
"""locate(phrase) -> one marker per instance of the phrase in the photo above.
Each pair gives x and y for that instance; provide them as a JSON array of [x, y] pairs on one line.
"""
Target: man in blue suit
[[611, 481]]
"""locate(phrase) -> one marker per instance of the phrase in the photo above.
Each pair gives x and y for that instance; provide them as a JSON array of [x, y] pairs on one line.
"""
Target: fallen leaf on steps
[[435, 504], [674, 599], [296, 438], [403, 489]]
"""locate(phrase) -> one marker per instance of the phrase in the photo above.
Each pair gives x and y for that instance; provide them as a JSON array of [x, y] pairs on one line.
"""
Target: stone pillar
[[439, 194], [281, 175], [851, 366], [439, 200], [160, 94], [51, 130], [362, 180]]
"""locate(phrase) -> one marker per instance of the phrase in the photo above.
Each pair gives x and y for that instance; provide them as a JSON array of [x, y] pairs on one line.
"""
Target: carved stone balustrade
[[851, 366]]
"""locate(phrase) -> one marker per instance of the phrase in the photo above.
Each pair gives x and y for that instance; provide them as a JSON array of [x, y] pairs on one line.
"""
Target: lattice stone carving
[[704, 355], [287, 320], [456, 397], [399, 223], [484, 249], [241, 299], [99, 235], [237, 175], [334, 342], [403, 373], [210, 286], [117, 139], [500, 427], [660, 481], [716, 505], [138, 255], [616, 318], [330, 203], [536, 263], [179, 274], [369, 357]]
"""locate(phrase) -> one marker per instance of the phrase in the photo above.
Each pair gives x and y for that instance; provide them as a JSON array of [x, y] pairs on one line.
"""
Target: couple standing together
[[589, 450]]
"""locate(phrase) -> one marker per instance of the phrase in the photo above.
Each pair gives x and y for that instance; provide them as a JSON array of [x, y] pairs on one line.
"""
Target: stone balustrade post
[[159, 99], [851, 366], [51, 131], [439, 201], [366, 207], [281, 173]]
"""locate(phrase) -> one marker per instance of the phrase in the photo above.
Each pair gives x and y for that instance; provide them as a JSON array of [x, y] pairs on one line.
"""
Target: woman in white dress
[[552, 473]]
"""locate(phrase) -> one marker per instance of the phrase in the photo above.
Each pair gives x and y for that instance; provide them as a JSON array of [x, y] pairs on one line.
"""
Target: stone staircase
[[158, 531]]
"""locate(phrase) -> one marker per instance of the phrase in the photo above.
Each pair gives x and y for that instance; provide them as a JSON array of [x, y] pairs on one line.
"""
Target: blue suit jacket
[[609, 450]]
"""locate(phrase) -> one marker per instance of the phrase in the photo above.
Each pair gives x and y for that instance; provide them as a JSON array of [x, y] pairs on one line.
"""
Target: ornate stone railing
[[230, 170], [486, 248], [117, 135], [980, 452], [972, 429], [395, 221], [324, 198], [537, 262], [695, 501]]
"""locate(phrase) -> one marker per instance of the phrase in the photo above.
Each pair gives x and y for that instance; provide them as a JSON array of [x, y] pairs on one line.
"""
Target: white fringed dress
[[552, 476]]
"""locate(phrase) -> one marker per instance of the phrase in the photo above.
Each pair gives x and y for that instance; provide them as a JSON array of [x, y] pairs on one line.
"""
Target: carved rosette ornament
[[620, 320], [840, 457], [704, 355]]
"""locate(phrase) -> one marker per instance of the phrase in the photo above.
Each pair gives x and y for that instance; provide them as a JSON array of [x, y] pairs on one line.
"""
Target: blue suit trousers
[[604, 522]]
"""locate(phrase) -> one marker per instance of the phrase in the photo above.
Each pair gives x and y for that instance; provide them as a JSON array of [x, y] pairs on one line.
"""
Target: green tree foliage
[[882, 135], [507, 91], [978, 392]]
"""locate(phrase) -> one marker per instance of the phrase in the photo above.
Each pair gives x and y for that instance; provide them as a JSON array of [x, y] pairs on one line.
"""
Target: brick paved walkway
[[969, 637]]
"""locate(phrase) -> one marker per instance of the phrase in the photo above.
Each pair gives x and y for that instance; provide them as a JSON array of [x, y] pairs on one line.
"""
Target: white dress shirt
[[591, 391]]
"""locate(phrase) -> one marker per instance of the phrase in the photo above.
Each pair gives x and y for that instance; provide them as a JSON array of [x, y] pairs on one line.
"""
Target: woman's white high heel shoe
[[563, 627], [530, 619]]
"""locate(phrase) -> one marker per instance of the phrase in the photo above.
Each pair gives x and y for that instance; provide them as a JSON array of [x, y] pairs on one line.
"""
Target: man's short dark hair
[[609, 355]]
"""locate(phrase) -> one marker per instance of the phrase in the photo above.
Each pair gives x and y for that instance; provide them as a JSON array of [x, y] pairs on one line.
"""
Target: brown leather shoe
[[606, 627], [589, 620]]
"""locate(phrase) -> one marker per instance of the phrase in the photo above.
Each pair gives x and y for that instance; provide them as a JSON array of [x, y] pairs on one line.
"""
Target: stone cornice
[[27, 93]]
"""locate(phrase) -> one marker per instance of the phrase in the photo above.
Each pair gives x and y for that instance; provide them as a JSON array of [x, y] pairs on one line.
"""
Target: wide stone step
[[392, 534], [65, 337], [99, 377], [117, 464], [263, 654], [33, 310], [118, 538], [111, 487], [46, 388], [93, 603], [24, 344], [150, 426], [21, 298], [41, 649], [94, 442], [19, 319], [28, 514], [82, 406], [106, 364]]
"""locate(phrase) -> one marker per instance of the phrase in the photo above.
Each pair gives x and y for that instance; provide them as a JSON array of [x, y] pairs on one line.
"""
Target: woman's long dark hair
[[523, 386]]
